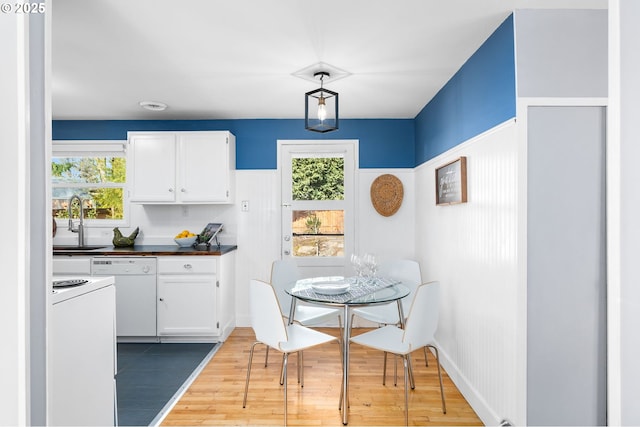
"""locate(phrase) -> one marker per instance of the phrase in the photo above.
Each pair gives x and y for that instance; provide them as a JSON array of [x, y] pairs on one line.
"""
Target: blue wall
[[384, 143], [481, 95]]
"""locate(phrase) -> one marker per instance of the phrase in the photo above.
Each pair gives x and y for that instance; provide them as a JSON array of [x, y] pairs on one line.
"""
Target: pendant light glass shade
[[321, 108]]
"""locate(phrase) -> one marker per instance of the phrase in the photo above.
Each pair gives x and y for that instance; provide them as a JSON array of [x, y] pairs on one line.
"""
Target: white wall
[[24, 118], [39, 195], [566, 265], [623, 203], [13, 169], [388, 237], [159, 223], [561, 53], [472, 249]]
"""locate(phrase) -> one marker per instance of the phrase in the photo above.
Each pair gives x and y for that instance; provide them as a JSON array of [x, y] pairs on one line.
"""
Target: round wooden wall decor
[[386, 194]]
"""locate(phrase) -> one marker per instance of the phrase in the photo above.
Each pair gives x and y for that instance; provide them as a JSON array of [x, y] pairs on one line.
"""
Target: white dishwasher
[[135, 280]]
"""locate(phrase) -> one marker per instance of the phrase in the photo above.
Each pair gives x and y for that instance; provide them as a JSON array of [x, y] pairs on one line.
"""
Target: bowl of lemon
[[185, 238]]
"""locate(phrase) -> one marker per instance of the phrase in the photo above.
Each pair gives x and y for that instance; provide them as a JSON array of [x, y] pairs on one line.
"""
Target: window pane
[[88, 170], [98, 203], [98, 181], [318, 233], [317, 178]]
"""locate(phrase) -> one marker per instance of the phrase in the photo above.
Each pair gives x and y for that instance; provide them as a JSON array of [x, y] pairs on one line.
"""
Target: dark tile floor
[[150, 374]]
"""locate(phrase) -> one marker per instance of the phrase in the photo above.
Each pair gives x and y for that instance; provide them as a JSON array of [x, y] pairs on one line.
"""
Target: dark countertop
[[148, 250]]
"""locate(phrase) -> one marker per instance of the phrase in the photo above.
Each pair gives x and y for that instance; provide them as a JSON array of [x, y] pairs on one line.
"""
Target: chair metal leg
[[405, 360], [342, 380], [395, 371], [341, 394], [384, 370], [246, 384], [426, 359], [301, 368], [266, 357], [284, 369], [412, 380], [444, 406]]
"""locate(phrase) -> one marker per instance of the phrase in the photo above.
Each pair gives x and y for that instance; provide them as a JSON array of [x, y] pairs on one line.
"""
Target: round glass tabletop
[[351, 291]]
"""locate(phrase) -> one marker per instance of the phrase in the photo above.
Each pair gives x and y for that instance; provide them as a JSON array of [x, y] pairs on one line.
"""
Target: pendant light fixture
[[321, 107]]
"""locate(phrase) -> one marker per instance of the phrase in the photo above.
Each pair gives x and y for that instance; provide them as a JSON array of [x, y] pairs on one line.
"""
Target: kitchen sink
[[76, 248]]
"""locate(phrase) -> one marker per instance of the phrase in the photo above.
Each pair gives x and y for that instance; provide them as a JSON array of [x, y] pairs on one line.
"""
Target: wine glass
[[370, 264], [357, 264]]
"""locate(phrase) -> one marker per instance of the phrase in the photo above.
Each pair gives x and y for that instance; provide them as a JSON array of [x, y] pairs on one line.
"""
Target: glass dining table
[[348, 293]]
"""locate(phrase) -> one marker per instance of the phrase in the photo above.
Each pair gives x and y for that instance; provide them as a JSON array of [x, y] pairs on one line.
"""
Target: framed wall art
[[451, 182]]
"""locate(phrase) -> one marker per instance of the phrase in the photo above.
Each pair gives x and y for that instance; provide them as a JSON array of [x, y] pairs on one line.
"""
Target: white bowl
[[185, 242]]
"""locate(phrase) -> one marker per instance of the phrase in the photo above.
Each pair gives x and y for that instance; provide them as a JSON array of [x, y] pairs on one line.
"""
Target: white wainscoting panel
[[258, 233], [471, 249], [389, 237]]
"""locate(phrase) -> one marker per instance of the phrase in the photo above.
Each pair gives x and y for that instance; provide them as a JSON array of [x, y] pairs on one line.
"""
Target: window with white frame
[[95, 171]]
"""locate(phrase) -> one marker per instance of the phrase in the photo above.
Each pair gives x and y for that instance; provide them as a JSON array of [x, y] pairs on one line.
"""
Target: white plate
[[329, 288]]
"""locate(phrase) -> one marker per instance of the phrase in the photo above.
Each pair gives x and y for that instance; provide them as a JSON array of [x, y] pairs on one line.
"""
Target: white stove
[[82, 350], [92, 283]]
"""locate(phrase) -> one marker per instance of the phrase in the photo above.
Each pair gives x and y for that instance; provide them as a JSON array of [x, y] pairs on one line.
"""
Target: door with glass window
[[318, 183]]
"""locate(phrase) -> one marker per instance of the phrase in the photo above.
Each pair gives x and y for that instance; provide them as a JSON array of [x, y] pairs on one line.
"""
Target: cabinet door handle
[[161, 299], [171, 190], [188, 266], [182, 190]]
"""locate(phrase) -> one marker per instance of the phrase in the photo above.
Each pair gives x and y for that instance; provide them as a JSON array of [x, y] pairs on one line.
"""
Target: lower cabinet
[[195, 297], [192, 298], [187, 296]]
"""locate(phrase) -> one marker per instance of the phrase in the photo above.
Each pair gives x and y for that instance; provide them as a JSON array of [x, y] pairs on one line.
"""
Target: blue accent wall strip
[[481, 95], [384, 143]]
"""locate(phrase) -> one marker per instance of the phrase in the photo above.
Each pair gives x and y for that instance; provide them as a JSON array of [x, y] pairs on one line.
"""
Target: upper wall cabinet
[[181, 167]]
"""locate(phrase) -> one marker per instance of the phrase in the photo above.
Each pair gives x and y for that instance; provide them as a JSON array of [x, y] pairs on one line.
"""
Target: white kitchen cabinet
[[194, 297], [181, 167]]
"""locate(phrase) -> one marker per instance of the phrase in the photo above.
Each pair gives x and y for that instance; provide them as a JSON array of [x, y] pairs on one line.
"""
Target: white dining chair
[[284, 272], [419, 331], [270, 329], [408, 272]]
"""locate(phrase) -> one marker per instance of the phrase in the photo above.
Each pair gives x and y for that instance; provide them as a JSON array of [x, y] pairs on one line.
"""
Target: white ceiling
[[233, 59]]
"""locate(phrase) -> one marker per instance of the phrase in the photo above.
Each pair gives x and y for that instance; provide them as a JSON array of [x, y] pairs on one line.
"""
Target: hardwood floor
[[215, 397]]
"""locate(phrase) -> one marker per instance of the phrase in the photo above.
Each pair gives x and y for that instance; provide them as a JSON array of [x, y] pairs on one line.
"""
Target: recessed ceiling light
[[153, 105]]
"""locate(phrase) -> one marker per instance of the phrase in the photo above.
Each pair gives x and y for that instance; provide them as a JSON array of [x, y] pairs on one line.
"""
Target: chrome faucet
[[80, 229]]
